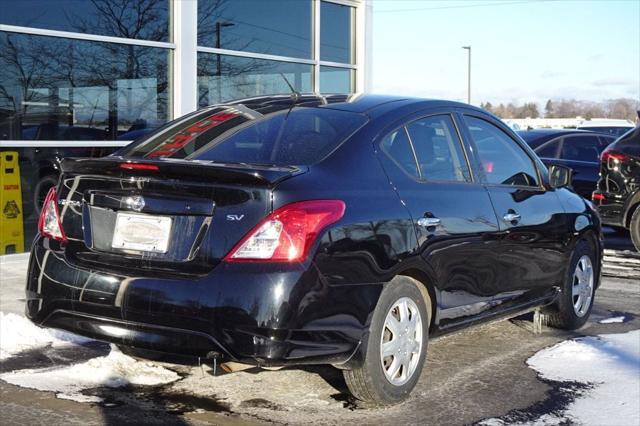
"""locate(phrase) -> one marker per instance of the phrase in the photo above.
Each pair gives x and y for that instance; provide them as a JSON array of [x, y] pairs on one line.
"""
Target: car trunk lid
[[113, 208]]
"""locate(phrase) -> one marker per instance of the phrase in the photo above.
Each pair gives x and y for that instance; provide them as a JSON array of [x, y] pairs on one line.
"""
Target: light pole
[[219, 25], [468, 49]]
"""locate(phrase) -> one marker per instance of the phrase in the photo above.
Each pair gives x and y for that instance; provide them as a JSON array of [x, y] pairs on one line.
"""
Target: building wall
[[80, 78]]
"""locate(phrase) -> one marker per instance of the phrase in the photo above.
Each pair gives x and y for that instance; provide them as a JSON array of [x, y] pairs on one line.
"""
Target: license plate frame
[[142, 232]]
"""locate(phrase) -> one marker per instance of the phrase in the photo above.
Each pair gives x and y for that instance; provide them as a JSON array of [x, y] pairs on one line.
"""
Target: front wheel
[[396, 347], [574, 304]]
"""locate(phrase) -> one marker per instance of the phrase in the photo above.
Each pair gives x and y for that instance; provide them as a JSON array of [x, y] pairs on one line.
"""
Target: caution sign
[[11, 227]]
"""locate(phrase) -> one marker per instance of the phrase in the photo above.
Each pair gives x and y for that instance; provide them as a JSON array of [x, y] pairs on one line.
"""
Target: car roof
[[358, 103], [538, 133], [537, 137]]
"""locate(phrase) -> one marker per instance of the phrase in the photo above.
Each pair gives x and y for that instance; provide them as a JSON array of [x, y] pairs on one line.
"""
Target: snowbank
[[610, 363], [114, 370], [18, 334]]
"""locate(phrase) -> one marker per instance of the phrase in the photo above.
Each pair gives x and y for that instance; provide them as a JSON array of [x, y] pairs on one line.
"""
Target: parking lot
[[471, 376]]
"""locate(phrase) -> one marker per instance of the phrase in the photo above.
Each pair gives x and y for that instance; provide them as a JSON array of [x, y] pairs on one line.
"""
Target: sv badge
[[235, 217]]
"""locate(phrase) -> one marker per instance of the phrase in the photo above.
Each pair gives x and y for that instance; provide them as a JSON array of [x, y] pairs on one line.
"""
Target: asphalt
[[473, 375]]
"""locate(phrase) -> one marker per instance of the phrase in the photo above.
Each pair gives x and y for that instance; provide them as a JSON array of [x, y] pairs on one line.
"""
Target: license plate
[[141, 232]]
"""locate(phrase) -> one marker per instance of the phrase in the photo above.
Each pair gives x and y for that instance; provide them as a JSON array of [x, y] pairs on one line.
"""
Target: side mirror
[[559, 176]]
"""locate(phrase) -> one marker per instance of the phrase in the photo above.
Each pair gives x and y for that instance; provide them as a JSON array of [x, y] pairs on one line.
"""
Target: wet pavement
[[476, 374]]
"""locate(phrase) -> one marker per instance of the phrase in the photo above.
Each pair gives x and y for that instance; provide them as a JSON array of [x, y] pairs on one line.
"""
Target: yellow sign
[[11, 227]]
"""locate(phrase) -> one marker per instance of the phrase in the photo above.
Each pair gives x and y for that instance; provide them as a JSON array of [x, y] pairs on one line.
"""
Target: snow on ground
[[609, 362], [18, 334], [114, 370], [612, 320]]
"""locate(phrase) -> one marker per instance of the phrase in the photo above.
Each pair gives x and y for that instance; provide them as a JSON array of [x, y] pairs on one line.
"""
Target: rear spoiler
[[189, 170]]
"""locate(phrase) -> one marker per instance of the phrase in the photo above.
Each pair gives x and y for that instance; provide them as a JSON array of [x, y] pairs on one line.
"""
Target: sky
[[522, 51]]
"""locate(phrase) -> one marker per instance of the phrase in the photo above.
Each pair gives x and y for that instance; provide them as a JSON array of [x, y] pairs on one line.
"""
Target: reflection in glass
[[336, 29], [63, 89], [138, 19], [336, 80], [223, 78], [276, 27]]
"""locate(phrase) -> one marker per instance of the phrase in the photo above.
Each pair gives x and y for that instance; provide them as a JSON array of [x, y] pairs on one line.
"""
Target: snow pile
[[611, 362], [114, 370], [18, 334], [612, 320]]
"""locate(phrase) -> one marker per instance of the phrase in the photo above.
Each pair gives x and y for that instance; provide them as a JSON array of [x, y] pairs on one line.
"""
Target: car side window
[[549, 149], [581, 148], [504, 161], [438, 149], [605, 141], [396, 145]]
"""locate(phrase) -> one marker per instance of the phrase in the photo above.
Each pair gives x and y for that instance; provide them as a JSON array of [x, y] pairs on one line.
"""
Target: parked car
[[289, 230], [611, 127], [577, 149], [618, 191]]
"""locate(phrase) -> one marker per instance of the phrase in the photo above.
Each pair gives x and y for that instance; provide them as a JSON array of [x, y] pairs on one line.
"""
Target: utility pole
[[468, 49]]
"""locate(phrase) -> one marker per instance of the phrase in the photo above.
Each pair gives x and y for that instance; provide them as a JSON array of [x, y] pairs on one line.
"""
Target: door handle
[[428, 221], [511, 217]]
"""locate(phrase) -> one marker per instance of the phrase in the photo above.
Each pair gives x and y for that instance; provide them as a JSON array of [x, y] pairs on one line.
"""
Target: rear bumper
[[257, 314], [611, 209]]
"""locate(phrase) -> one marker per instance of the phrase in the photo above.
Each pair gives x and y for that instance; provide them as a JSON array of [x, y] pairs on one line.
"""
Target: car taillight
[[597, 196], [287, 234], [612, 159], [49, 224]]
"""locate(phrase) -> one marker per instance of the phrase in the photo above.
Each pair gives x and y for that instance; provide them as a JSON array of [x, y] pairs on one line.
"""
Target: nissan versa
[[303, 229]]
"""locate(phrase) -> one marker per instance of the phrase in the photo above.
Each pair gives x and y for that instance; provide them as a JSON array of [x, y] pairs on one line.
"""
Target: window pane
[[276, 27], [581, 148], [438, 149], [549, 149], [223, 78], [57, 89], [298, 136], [336, 29], [336, 80], [504, 162], [396, 145], [139, 19]]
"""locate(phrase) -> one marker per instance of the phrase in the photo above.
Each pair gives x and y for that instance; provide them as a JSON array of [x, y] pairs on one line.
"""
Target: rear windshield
[[298, 136]]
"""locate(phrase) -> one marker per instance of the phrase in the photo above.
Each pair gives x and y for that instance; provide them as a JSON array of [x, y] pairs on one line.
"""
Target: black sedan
[[577, 149], [336, 230]]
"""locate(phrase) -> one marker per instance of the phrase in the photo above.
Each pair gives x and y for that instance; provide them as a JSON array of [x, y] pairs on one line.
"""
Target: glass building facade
[[81, 78]]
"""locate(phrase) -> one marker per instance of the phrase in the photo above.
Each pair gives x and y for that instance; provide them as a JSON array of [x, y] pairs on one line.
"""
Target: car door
[[530, 216], [455, 223]]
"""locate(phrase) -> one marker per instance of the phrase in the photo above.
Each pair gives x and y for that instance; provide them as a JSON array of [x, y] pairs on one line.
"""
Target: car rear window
[[297, 136]]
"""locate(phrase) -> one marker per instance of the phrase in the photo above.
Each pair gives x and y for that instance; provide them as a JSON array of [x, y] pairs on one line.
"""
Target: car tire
[[634, 228], [379, 381], [574, 304], [41, 190]]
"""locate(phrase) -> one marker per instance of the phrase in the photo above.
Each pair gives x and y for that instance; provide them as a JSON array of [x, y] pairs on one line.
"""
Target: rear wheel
[[397, 345], [573, 307], [634, 228]]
